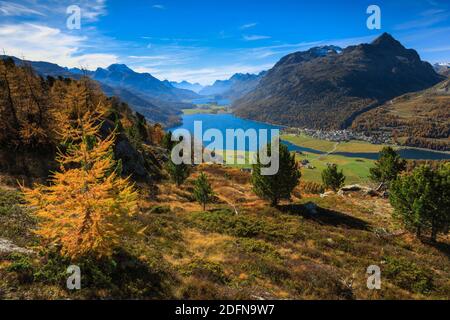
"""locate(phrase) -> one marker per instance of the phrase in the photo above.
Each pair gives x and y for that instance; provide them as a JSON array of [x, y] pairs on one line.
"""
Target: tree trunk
[[419, 232], [12, 110], [433, 231], [274, 202]]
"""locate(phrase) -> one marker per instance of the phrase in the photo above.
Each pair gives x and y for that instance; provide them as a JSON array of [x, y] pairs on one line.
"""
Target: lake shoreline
[[248, 123]]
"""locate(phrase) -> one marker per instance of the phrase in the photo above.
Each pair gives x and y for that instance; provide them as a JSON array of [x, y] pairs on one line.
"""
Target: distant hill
[[235, 87], [195, 87], [420, 119], [328, 88]]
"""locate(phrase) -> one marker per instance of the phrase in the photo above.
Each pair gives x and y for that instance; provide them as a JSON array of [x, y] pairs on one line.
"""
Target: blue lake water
[[222, 122]]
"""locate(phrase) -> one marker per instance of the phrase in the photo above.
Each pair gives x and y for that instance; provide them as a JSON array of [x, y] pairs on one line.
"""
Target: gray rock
[[327, 194], [7, 246]]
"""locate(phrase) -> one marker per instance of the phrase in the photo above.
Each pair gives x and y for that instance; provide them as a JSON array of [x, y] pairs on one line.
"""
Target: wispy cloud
[[428, 18], [42, 43], [158, 6], [248, 26], [437, 49], [53, 10], [255, 37], [92, 10], [13, 9]]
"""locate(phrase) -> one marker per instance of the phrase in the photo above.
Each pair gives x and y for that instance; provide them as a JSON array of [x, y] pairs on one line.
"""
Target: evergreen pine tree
[[178, 172], [279, 186], [388, 167], [332, 178], [421, 200], [203, 191]]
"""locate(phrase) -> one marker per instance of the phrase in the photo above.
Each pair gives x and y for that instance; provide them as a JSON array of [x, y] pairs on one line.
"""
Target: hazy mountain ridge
[[186, 85], [122, 76], [235, 87], [309, 89]]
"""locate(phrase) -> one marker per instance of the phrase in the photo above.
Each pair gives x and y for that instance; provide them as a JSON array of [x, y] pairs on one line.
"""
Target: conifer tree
[[388, 167], [421, 200], [203, 191], [332, 178], [84, 208], [280, 185], [178, 172]]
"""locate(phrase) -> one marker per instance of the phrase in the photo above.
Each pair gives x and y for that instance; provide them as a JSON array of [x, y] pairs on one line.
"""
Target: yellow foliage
[[85, 207]]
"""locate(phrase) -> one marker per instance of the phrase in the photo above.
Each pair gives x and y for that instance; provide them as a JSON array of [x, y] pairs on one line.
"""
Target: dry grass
[[271, 253]]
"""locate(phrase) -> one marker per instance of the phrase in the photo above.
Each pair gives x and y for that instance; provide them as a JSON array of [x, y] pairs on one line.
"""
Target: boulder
[[7, 247], [327, 194]]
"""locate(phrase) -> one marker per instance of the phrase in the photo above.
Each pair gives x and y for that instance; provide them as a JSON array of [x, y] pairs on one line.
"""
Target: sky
[[205, 40]]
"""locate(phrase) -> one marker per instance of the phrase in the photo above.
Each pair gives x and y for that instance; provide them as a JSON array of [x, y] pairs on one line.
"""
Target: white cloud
[[158, 6], [92, 10], [13, 9], [53, 10], [255, 37], [248, 26], [42, 43]]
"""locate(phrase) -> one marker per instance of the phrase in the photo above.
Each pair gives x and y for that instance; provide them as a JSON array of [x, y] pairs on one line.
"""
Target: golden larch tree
[[84, 209]]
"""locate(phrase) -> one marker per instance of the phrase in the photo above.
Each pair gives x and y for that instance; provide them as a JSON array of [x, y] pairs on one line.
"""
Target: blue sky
[[201, 41]]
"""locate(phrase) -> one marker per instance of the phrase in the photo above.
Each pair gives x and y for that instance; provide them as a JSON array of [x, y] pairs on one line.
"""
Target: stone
[[7, 246]]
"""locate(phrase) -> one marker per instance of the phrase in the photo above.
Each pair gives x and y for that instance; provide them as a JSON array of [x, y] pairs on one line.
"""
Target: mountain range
[[324, 87], [235, 87], [120, 75], [328, 88], [195, 87], [155, 99]]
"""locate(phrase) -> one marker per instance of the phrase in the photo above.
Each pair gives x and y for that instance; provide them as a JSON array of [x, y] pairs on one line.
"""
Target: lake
[[222, 122]]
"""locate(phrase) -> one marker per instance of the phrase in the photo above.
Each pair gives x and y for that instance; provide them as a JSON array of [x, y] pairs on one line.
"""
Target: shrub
[[246, 226], [310, 187], [407, 275], [205, 270]]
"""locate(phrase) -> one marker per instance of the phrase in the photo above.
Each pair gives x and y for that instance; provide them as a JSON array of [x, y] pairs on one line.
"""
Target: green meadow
[[356, 170], [205, 109]]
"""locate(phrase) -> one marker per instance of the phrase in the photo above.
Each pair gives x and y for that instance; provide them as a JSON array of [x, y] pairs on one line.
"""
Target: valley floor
[[310, 248]]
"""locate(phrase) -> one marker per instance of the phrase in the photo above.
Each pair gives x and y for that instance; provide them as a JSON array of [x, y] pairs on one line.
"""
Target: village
[[341, 135]]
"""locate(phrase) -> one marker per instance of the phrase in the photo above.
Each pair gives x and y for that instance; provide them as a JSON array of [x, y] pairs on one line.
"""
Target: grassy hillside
[[285, 253]]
